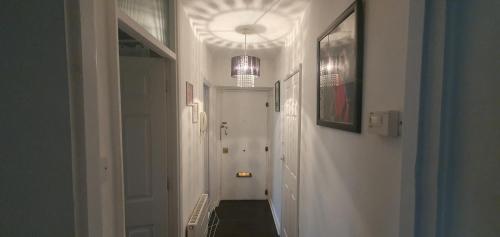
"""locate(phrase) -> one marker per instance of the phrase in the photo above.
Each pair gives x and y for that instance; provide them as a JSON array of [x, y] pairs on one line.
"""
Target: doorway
[[143, 79], [291, 155], [244, 132]]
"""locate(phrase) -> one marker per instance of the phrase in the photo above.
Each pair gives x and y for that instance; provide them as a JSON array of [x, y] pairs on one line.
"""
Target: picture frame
[[340, 72], [277, 96], [195, 112], [189, 94]]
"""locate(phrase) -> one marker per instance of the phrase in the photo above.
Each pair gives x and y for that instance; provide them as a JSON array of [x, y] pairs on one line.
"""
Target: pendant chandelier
[[245, 69]]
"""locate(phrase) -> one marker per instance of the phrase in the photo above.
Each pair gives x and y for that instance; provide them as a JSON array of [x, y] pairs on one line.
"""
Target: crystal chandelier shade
[[245, 69]]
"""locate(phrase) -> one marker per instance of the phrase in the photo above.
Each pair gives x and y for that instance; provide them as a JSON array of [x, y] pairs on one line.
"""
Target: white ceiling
[[215, 21]]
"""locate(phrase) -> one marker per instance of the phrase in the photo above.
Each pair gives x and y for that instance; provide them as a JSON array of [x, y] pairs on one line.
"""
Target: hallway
[[263, 118], [245, 219]]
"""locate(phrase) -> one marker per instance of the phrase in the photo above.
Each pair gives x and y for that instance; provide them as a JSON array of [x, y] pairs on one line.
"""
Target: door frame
[[436, 108], [101, 128], [207, 141], [101, 153], [288, 77], [424, 141], [411, 117], [214, 180]]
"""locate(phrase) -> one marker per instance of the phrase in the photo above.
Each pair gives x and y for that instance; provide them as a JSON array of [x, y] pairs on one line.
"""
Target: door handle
[[222, 126]]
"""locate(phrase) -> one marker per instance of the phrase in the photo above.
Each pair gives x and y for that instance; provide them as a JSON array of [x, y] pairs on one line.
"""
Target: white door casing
[[245, 113], [144, 146], [291, 154], [204, 118]]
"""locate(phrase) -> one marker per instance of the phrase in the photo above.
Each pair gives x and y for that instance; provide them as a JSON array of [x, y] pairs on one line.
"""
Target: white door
[[291, 144], [245, 113], [144, 146]]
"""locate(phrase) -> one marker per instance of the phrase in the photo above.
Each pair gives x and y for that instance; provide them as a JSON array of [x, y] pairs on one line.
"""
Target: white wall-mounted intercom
[[203, 122]]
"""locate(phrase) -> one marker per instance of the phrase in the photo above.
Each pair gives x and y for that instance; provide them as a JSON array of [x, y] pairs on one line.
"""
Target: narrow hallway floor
[[245, 219]]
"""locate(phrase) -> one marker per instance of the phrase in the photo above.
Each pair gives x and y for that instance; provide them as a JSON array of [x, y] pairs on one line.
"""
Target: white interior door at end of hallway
[[144, 146], [245, 113], [291, 149]]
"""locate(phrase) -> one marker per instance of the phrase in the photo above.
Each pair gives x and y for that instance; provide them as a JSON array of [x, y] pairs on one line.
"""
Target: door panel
[[137, 155], [246, 116], [145, 231], [471, 197], [144, 146], [458, 163], [291, 144]]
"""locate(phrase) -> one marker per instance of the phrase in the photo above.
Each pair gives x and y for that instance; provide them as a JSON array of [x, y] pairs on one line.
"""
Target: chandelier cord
[[245, 44], [266, 11]]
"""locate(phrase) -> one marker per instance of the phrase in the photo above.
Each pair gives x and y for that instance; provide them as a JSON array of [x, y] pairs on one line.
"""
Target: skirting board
[[275, 217]]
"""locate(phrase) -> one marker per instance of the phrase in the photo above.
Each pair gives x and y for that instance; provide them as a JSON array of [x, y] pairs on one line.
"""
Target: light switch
[[384, 123]]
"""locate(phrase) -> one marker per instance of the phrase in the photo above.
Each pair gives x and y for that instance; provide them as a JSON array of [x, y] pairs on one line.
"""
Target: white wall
[[275, 165], [214, 154], [36, 171], [193, 67], [350, 183], [215, 162], [275, 153]]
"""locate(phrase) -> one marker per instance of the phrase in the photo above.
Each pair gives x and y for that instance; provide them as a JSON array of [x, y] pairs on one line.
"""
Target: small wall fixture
[[384, 123]]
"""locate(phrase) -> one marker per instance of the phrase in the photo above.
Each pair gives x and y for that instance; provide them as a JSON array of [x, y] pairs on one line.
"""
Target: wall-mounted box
[[385, 123]]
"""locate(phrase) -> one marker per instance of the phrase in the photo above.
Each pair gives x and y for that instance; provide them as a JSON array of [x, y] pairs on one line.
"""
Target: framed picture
[[340, 72], [277, 95], [195, 111], [189, 93]]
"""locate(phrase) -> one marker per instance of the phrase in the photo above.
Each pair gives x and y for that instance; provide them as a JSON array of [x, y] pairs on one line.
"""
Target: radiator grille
[[198, 222]]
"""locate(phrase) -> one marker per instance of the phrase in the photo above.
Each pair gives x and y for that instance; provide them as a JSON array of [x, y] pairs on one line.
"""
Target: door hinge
[[267, 104], [266, 192], [168, 184], [267, 148]]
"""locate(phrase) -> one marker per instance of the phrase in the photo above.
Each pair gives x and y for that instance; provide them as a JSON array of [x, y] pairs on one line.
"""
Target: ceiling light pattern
[[215, 21]]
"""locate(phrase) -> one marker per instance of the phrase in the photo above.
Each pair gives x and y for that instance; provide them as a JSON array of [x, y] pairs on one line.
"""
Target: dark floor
[[245, 219]]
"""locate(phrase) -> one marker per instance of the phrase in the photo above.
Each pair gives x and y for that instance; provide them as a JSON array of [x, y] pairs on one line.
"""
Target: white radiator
[[198, 222]]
